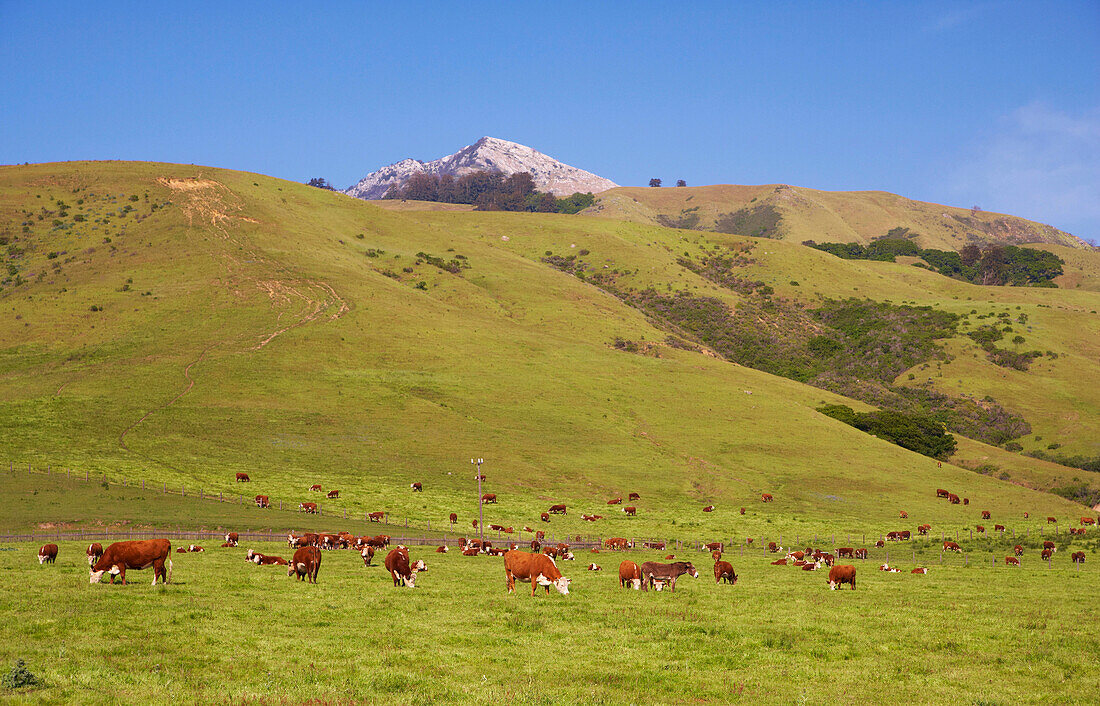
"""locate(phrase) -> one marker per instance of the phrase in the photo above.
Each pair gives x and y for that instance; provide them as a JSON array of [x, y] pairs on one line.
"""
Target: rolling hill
[[783, 212], [180, 323]]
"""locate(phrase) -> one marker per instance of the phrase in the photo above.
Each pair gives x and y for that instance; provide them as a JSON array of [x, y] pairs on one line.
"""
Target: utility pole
[[480, 516]]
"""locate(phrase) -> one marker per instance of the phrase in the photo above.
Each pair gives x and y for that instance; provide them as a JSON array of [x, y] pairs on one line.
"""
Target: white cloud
[[1039, 163]]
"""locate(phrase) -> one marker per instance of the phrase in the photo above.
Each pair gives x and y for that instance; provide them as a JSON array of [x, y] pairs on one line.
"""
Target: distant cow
[[480, 476], [861, 554], [1018, 550], [262, 501], [904, 515], [536, 545], [594, 567], [1078, 557], [843, 574], [949, 546], [1011, 561], [845, 552], [333, 494], [94, 551], [712, 546], [471, 551], [634, 496], [496, 528], [953, 499], [231, 538], [540, 535], [742, 511], [454, 518], [316, 487], [489, 498], [134, 554], [919, 570], [618, 543], [1052, 521], [47, 554], [653, 572], [880, 543], [1088, 520], [923, 529], [766, 498], [998, 528], [980, 529], [376, 516], [310, 508], [630, 510], [966, 501], [265, 560], [723, 571], [941, 493], [417, 487], [305, 564], [630, 572], [773, 547], [1050, 545], [1047, 553], [536, 569], [615, 501], [557, 510], [397, 563], [545, 517], [779, 562], [653, 545], [708, 508], [243, 478], [986, 515], [442, 549]]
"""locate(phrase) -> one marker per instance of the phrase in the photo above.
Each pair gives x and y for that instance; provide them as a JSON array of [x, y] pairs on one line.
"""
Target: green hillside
[[779, 211], [180, 324]]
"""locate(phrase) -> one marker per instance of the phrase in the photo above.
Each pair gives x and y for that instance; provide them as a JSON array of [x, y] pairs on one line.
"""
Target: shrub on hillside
[[915, 432]]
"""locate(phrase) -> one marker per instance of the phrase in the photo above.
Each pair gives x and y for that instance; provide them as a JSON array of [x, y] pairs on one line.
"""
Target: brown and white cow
[[986, 515], [615, 501], [309, 508], [333, 494], [966, 501], [442, 549], [135, 554], [773, 547], [243, 478], [953, 499], [265, 559], [941, 493], [94, 551], [1088, 520], [376, 516], [417, 487], [262, 501], [47, 554], [1011, 561], [454, 518], [557, 510], [1047, 553], [949, 546], [368, 555], [980, 529], [780, 562], [880, 543], [231, 538], [496, 528], [536, 569], [634, 496], [712, 546], [654, 545], [708, 508], [398, 564], [630, 510], [594, 567], [621, 543], [489, 498], [316, 487], [766, 498], [723, 571], [920, 570], [1018, 550], [904, 515], [998, 528], [845, 552], [1050, 545], [861, 553], [653, 572], [545, 517], [305, 564], [630, 572], [1052, 520], [842, 574], [1078, 557]]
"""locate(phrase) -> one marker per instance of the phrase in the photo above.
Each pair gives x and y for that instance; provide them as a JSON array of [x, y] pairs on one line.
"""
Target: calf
[[1018, 550], [376, 516], [880, 543], [980, 529], [265, 560], [1050, 545], [966, 501], [923, 529], [262, 501], [861, 554], [310, 508], [708, 508], [545, 517], [742, 511], [135, 554], [1011, 561], [766, 498], [807, 566], [1052, 521], [594, 567], [443, 549], [986, 515], [941, 493], [773, 547], [454, 519], [243, 478], [1047, 553], [397, 563], [630, 572], [630, 510], [305, 564], [904, 515], [471, 551], [417, 487], [615, 501], [496, 528], [779, 562], [316, 487], [653, 545], [653, 572], [557, 510], [231, 538], [843, 574], [998, 528], [94, 551], [723, 571], [536, 569], [919, 570], [47, 554]]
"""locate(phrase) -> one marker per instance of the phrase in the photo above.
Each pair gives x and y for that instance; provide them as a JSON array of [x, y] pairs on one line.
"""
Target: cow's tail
[[168, 577]]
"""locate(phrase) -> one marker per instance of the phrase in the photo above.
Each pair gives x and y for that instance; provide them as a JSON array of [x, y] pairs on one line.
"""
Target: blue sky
[[995, 104]]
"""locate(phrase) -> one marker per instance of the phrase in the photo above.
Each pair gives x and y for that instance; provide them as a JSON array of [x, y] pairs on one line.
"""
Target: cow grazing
[[231, 538], [723, 571], [333, 494], [536, 569], [653, 572], [316, 488], [489, 498], [1011, 561], [1052, 521], [454, 519], [880, 543], [94, 551], [634, 496], [843, 574], [1050, 545], [904, 515], [1018, 550], [986, 515], [376, 516], [953, 499], [594, 567], [980, 529], [47, 554], [557, 510], [949, 546], [243, 478], [397, 563], [540, 535], [766, 498], [629, 572], [262, 501], [712, 546], [615, 501], [630, 510], [742, 511], [941, 493], [845, 552], [998, 528], [708, 508], [417, 487], [1047, 553], [310, 508], [545, 517], [305, 564], [861, 554], [536, 545], [135, 554], [618, 543], [748, 540], [1078, 557], [923, 529], [1088, 520]]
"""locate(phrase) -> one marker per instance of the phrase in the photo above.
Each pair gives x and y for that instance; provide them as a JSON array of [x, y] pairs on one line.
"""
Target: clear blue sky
[[995, 104]]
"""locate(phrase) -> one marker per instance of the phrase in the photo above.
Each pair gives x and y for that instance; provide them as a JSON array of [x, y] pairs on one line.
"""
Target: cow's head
[[95, 576], [692, 572], [637, 584], [250, 555], [562, 584], [419, 565], [832, 584], [568, 555]]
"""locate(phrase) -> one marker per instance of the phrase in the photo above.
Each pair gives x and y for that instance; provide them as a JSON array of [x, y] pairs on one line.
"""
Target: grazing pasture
[[228, 630]]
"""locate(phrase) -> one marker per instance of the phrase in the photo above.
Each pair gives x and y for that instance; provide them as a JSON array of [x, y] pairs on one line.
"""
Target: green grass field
[[229, 631]]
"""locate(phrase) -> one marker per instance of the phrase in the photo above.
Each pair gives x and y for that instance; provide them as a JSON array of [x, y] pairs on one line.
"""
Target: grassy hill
[[180, 324], [783, 212]]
